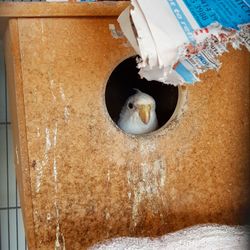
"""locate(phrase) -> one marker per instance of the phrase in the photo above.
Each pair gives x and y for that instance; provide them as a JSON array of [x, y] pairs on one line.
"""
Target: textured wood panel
[[43, 9], [17, 110], [90, 181]]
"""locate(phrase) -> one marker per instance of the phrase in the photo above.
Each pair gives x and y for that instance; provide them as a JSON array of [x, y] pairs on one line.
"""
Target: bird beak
[[144, 113]]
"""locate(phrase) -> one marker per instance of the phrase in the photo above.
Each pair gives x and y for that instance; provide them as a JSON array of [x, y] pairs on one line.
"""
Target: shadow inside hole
[[120, 86]]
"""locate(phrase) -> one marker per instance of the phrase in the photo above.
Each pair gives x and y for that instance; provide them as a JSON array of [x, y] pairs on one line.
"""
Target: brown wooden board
[[17, 110], [82, 179], [50, 9]]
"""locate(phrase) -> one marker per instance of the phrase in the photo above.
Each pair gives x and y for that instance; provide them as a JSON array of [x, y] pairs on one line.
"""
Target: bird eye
[[130, 105]]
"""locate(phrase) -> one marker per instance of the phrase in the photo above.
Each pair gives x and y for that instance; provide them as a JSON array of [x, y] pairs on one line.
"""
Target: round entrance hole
[[122, 84]]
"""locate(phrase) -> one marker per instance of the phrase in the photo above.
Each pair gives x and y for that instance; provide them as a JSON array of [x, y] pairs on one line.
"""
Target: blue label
[[182, 19], [229, 13], [187, 76]]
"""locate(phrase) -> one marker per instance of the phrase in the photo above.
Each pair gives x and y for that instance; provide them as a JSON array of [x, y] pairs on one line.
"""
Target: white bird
[[138, 114]]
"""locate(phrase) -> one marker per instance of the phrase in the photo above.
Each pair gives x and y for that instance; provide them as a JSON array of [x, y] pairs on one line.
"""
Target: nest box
[[81, 179]]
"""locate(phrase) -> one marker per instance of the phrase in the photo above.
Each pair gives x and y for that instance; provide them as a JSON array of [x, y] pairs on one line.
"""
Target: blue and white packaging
[[179, 39]]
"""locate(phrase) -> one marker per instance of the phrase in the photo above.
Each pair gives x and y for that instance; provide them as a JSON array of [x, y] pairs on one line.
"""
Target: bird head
[[141, 104], [138, 114]]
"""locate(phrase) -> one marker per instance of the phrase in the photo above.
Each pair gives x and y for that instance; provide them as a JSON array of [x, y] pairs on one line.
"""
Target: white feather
[[130, 121]]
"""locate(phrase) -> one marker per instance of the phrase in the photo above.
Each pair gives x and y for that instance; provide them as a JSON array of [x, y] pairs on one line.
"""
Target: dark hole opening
[[120, 86]]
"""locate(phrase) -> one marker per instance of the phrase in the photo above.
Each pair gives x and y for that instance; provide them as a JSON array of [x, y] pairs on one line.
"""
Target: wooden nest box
[[81, 179]]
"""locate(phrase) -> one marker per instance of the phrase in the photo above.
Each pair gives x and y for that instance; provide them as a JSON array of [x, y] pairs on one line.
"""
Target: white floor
[[11, 224]]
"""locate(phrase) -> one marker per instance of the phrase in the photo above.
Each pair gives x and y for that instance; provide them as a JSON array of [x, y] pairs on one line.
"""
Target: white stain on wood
[[47, 141], [42, 30], [54, 157], [17, 155], [40, 164], [147, 182], [108, 175], [48, 216], [146, 148], [52, 86], [107, 214], [62, 93], [39, 174], [66, 113], [65, 102], [38, 132], [50, 156], [60, 240], [50, 151]]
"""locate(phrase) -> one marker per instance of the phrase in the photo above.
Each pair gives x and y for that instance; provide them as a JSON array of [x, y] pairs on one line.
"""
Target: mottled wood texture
[[17, 110], [88, 180], [43, 9]]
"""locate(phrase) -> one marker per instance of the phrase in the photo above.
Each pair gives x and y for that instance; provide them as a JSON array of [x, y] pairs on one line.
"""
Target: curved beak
[[144, 113]]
